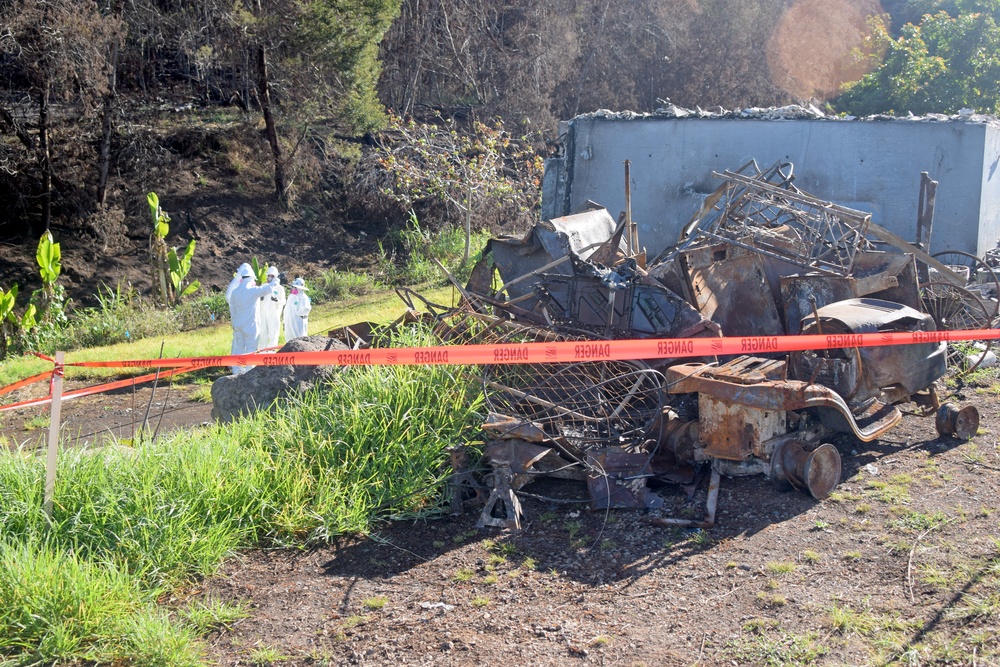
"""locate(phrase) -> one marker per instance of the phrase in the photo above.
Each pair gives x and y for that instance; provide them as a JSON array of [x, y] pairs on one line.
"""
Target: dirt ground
[[904, 545], [113, 416], [901, 565]]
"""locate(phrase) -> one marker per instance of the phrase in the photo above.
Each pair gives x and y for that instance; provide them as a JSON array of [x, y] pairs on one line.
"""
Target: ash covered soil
[[905, 544], [900, 564]]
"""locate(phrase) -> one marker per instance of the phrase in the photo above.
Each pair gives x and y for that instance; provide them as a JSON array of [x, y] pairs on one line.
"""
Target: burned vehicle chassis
[[760, 259]]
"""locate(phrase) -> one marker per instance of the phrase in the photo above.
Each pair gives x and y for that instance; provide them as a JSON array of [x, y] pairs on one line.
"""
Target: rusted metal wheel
[[980, 273], [963, 423], [816, 471], [954, 308]]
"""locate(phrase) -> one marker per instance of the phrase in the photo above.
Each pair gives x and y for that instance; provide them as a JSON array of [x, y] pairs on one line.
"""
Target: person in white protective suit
[[244, 311], [297, 311], [234, 283], [270, 311]]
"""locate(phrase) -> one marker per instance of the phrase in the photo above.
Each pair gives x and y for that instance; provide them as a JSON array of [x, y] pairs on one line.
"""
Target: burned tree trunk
[[104, 152], [44, 160], [272, 132]]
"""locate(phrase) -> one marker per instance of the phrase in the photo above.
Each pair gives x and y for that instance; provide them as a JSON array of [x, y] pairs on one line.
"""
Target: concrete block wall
[[871, 165]]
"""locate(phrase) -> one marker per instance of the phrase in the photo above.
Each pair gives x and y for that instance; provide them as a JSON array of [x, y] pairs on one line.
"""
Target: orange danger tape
[[519, 353], [86, 391], [25, 382], [560, 352], [96, 389]]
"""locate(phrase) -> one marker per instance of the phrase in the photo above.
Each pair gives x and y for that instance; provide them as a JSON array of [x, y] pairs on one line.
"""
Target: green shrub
[[407, 256], [202, 311], [120, 316]]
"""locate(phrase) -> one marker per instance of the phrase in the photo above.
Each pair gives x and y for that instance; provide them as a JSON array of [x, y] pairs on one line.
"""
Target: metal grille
[[591, 404]]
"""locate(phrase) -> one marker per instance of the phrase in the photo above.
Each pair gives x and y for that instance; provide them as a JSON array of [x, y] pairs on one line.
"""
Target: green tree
[[314, 61], [946, 63]]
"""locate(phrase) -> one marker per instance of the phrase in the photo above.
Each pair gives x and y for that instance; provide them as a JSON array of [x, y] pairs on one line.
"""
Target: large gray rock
[[258, 388]]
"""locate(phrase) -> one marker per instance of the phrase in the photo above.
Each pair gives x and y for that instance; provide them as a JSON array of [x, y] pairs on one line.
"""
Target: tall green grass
[[60, 608], [374, 443], [130, 524], [334, 284]]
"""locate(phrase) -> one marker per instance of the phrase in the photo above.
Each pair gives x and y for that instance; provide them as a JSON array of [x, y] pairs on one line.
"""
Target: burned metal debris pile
[[761, 258]]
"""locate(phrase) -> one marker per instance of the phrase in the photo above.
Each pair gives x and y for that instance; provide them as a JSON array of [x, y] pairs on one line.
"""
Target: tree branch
[[19, 131]]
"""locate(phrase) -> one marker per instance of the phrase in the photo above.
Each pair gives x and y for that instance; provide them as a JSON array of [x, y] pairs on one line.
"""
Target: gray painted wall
[[871, 165], [989, 208]]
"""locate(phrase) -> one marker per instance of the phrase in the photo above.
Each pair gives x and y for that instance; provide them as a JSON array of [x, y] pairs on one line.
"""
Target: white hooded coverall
[[270, 314], [297, 314], [245, 269], [243, 310]]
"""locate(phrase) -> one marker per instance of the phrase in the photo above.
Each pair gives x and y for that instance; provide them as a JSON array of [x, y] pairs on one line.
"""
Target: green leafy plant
[[45, 315], [259, 271], [13, 328], [7, 299], [28, 318], [180, 265], [158, 248], [49, 258], [8, 321], [170, 268]]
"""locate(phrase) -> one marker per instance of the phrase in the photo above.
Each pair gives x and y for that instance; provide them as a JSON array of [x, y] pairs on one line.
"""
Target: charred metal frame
[[829, 236], [761, 257]]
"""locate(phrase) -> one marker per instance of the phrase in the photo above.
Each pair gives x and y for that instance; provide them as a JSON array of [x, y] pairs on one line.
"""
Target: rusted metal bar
[[461, 290], [925, 211], [711, 505], [900, 243], [523, 297], [628, 397]]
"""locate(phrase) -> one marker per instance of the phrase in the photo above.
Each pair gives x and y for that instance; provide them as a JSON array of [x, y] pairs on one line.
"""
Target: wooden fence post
[[54, 418]]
